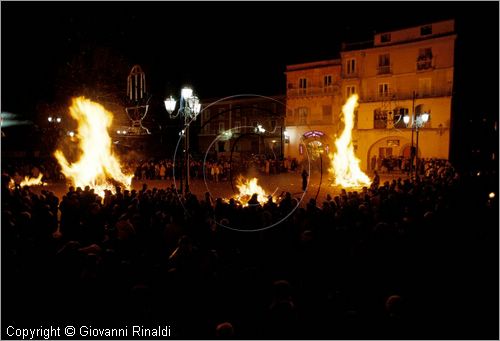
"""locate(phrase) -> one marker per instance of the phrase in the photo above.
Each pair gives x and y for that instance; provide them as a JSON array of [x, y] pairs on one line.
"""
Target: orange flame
[[29, 182], [345, 164], [247, 189], [97, 165]]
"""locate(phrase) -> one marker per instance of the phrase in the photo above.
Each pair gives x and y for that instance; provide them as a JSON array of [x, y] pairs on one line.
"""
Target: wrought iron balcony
[[424, 64], [375, 96], [350, 74], [311, 91], [384, 69]]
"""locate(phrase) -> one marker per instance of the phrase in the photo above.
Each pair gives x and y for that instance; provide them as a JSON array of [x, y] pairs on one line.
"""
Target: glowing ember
[[97, 166], [247, 189], [29, 182], [345, 165]]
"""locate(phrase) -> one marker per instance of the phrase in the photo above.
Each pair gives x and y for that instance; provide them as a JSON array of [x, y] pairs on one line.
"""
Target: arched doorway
[[388, 148], [316, 146]]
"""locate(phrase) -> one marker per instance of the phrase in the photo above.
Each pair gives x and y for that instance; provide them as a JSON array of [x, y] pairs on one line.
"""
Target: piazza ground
[[285, 182]]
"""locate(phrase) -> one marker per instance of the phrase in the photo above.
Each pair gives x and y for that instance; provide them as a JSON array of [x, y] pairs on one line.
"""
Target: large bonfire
[[345, 164], [97, 166]]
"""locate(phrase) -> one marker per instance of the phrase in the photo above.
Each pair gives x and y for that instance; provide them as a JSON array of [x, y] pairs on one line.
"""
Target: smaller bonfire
[[247, 190], [29, 182]]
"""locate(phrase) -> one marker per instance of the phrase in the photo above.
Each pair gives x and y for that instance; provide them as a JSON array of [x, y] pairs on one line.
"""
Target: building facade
[[250, 125], [399, 73], [313, 107]]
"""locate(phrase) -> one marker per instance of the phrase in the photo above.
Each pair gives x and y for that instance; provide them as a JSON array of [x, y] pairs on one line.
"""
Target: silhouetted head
[[224, 330]]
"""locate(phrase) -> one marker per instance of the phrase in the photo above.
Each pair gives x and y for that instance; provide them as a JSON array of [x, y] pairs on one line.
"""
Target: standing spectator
[[163, 171], [216, 169], [379, 163], [304, 179], [286, 164], [374, 162], [376, 180]]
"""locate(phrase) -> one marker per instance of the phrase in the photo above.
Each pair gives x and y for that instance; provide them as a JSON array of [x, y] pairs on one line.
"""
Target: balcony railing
[[350, 74], [384, 69], [311, 91], [380, 124], [394, 123], [290, 121], [424, 64], [374, 96]]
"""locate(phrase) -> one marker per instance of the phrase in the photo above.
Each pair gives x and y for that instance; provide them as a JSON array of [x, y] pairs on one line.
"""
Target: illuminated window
[[384, 152], [379, 119], [384, 59], [350, 90], [302, 85], [350, 66], [221, 127], [424, 60], [399, 114], [327, 80], [393, 143], [303, 113], [384, 63], [327, 83], [425, 53], [383, 89]]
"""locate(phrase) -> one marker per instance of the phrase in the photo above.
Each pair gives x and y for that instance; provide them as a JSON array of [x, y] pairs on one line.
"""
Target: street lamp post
[[189, 109], [417, 122], [286, 134], [406, 120], [282, 149]]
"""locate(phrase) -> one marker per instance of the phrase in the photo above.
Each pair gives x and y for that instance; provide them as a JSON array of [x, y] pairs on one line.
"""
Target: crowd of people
[[387, 261], [18, 169], [400, 164], [219, 170], [158, 169], [213, 170]]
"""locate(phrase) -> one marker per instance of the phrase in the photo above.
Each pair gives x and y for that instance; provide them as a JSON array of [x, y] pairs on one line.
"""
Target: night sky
[[225, 48]]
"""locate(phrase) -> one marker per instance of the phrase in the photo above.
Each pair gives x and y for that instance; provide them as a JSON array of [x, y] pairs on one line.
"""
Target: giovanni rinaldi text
[[47, 333]]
